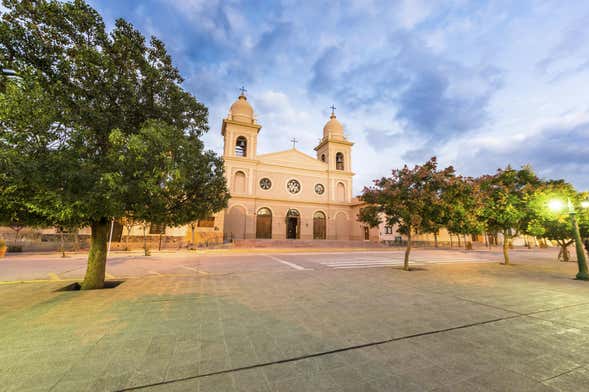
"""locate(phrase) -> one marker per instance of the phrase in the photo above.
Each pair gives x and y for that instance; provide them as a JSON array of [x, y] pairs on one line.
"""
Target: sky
[[478, 84]]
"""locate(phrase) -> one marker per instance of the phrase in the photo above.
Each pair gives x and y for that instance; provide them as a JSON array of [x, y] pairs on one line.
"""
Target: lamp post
[[556, 205]]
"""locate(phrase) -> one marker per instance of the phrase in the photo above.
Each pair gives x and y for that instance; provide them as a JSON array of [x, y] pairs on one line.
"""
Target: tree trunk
[[145, 251], [62, 244], [407, 252], [450, 234], [127, 238], [506, 249], [458, 236], [16, 231], [192, 238], [96, 269], [564, 253], [76, 240], [436, 240], [465, 241]]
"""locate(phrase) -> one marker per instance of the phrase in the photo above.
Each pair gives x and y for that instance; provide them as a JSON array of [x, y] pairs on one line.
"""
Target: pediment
[[292, 158]]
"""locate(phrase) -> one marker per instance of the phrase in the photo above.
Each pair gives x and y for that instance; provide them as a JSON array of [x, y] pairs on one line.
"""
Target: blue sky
[[478, 84]]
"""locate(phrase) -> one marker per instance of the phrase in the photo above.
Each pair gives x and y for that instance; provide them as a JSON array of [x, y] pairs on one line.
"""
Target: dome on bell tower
[[333, 128], [241, 110]]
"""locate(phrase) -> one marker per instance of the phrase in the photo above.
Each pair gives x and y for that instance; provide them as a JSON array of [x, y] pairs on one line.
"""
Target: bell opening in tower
[[339, 161], [241, 146]]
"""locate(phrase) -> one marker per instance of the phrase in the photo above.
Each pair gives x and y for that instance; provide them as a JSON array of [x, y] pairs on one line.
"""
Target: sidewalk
[[447, 328]]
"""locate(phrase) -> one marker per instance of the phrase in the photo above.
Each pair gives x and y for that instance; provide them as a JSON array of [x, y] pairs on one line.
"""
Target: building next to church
[[288, 194]]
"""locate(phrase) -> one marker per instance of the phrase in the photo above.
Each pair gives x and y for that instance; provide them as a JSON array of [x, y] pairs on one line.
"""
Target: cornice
[[326, 141], [291, 201], [258, 163], [226, 121]]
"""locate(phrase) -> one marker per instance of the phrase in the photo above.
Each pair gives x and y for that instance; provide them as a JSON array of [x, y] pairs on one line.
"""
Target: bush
[[15, 248]]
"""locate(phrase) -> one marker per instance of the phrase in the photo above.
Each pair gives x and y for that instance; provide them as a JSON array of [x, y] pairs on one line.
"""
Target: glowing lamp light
[[555, 205], [585, 204]]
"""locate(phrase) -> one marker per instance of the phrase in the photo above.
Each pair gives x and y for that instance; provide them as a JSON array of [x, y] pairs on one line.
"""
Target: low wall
[[52, 242]]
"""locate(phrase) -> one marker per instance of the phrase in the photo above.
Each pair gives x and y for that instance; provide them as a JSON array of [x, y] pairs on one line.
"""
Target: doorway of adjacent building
[[264, 223], [319, 226], [293, 220]]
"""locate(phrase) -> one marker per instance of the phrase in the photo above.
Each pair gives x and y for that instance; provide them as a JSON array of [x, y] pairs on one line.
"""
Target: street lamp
[[557, 205]]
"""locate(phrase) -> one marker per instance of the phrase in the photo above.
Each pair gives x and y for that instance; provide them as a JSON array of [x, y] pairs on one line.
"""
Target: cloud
[[380, 139], [433, 96], [325, 71], [570, 43], [410, 79], [555, 151]]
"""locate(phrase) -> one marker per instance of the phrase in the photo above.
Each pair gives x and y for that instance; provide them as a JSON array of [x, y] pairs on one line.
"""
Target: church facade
[[288, 194]]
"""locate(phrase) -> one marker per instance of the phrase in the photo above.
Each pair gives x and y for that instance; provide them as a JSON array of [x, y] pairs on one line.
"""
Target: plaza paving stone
[[467, 327]]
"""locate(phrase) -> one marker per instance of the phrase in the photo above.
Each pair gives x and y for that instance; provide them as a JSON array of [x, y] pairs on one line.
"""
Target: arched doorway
[[319, 229], [293, 224], [264, 223], [235, 223]]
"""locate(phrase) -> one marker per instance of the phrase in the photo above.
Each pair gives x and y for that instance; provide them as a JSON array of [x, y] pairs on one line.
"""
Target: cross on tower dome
[[332, 107]]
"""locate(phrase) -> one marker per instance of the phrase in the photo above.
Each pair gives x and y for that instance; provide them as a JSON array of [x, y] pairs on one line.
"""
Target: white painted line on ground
[[365, 263], [153, 272], [194, 269], [109, 276], [360, 261], [291, 265], [376, 266], [375, 263]]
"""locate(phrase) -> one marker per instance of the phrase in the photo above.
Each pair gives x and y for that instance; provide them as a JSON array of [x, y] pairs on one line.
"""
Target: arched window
[[264, 211], [239, 182], [264, 223], [241, 146], [340, 192], [322, 157], [339, 161]]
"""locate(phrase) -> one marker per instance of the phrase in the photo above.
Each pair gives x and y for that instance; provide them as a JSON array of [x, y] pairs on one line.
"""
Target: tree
[[505, 197], [97, 127], [405, 199], [555, 225], [462, 200], [435, 216]]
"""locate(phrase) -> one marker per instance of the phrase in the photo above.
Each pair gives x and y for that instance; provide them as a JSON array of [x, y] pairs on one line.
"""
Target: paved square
[[248, 322]]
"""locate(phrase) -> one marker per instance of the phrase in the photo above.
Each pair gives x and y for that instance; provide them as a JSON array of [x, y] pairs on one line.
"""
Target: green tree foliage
[[556, 225], [463, 206], [405, 199], [97, 126], [505, 196]]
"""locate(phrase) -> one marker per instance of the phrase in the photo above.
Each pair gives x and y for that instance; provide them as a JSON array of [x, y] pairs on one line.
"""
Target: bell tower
[[240, 130], [334, 149]]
